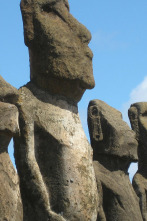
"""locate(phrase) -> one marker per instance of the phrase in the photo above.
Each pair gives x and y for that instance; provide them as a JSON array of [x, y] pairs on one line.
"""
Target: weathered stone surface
[[8, 119], [138, 119], [114, 147], [54, 159], [10, 200], [8, 93], [109, 134], [118, 199], [53, 156], [60, 59]]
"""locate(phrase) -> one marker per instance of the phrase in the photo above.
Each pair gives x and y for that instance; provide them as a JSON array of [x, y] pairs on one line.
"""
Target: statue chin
[[61, 77], [71, 90]]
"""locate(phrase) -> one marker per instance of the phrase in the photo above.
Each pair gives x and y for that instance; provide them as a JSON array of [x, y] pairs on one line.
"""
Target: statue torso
[[63, 154]]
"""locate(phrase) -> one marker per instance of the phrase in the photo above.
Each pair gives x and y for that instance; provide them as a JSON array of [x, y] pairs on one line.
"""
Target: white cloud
[[138, 94], [108, 40]]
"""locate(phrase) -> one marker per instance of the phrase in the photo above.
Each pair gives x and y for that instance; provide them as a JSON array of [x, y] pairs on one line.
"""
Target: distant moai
[[114, 148], [138, 118], [10, 200], [53, 156]]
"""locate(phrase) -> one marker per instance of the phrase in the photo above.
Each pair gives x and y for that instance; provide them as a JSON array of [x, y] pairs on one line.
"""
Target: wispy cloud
[[108, 40], [138, 94]]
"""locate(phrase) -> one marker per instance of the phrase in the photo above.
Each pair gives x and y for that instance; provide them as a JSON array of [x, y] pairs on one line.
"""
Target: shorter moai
[[138, 118], [115, 147], [10, 200]]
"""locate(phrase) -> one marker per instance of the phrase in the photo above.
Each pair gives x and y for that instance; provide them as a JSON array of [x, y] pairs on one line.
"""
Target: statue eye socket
[[133, 115], [94, 111], [144, 114], [46, 8]]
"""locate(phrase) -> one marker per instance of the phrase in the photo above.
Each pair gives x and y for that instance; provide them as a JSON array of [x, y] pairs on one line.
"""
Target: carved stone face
[[138, 119], [58, 46], [109, 134]]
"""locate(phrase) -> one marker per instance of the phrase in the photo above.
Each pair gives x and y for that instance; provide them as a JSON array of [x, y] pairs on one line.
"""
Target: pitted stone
[[60, 59], [53, 156], [8, 93], [109, 134], [138, 118], [115, 147]]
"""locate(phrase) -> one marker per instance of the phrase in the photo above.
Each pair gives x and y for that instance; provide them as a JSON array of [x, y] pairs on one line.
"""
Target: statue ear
[[27, 16], [66, 3], [133, 116], [95, 124]]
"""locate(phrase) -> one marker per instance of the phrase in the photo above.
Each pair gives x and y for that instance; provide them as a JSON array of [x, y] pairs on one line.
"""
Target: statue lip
[[89, 53], [83, 86]]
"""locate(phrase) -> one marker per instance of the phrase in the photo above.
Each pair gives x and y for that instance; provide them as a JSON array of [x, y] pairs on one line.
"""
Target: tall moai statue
[[53, 156], [138, 118], [114, 148], [10, 200]]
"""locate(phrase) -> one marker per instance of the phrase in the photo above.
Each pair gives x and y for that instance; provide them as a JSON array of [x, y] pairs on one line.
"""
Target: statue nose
[[80, 30], [84, 34]]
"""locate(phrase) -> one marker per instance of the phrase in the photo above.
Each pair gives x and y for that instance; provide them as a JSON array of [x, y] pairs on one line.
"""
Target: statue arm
[[141, 193], [32, 185], [101, 213]]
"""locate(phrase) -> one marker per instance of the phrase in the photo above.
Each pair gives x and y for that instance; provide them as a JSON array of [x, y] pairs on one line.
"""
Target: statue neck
[[142, 158], [113, 163], [55, 82]]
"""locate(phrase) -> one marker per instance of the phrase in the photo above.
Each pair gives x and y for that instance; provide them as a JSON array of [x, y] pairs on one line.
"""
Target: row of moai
[[60, 176], [115, 147]]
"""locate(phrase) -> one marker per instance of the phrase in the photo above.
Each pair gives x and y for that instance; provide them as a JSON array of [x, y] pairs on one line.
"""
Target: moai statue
[[114, 148], [138, 119], [10, 200], [53, 156]]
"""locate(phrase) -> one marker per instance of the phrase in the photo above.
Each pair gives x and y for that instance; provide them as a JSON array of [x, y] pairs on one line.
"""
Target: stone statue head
[[138, 118], [109, 134], [60, 59]]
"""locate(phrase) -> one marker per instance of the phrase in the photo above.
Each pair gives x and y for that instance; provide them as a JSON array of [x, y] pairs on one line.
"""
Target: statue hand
[[55, 217]]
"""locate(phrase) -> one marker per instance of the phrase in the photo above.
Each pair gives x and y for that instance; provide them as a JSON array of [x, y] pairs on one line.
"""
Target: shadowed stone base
[[118, 199], [10, 201]]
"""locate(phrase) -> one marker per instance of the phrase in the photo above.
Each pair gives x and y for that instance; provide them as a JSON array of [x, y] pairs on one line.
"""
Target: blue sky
[[119, 45]]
